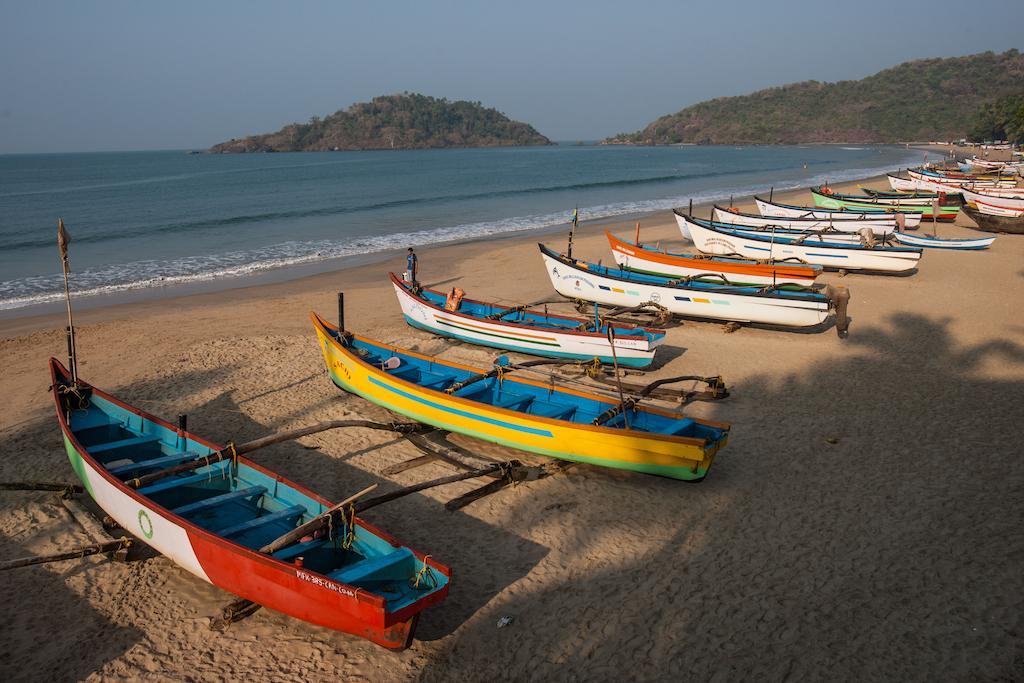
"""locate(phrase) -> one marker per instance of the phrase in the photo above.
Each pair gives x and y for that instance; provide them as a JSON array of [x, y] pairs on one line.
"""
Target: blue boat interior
[[245, 505], [536, 319], [781, 235], [529, 399], [625, 275]]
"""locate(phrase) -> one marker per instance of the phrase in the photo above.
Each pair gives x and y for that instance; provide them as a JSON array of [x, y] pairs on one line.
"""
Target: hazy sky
[[113, 75]]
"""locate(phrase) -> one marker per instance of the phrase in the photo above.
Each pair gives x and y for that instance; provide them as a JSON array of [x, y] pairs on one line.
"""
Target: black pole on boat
[[63, 240], [572, 230], [771, 194], [341, 311], [618, 379], [691, 207]]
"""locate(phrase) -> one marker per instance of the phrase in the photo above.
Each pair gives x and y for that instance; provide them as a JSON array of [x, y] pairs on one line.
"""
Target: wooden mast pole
[[63, 239]]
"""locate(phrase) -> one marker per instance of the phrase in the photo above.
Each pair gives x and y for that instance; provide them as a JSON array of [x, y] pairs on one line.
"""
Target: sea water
[[145, 220]]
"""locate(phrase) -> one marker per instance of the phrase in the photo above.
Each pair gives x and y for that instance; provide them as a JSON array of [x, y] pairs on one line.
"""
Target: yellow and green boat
[[521, 413]]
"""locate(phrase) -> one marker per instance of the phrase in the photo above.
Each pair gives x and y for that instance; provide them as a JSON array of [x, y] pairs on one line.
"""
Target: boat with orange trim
[[644, 258]]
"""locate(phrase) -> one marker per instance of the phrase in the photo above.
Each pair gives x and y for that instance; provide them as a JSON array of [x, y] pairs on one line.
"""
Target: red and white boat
[[218, 520], [996, 202]]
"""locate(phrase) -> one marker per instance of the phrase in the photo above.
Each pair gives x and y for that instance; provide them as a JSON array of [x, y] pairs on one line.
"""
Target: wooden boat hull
[[996, 202], [990, 223], [735, 271], [676, 457], [580, 280], [838, 255], [879, 227], [282, 586], [926, 212], [880, 222], [631, 350], [960, 180]]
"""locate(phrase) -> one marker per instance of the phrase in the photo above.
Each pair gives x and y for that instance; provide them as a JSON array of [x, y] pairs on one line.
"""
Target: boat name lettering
[[713, 241], [329, 585]]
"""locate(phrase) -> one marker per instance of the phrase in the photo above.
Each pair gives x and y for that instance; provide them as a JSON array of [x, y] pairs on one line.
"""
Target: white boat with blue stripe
[[518, 328], [615, 286], [712, 237]]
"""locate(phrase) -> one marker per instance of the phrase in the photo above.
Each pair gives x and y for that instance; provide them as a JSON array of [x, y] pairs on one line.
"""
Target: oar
[[249, 446], [312, 525]]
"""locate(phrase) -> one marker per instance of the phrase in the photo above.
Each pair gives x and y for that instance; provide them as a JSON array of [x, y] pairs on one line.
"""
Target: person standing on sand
[[411, 266]]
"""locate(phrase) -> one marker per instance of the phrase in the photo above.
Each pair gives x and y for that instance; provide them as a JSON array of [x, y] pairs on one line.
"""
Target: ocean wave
[[148, 274], [274, 216]]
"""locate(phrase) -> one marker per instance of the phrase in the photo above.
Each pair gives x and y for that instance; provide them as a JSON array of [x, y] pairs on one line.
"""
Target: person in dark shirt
[[411, 266]]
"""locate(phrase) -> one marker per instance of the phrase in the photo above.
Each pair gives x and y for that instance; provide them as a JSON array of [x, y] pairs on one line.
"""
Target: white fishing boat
[[996, 202], [721, 238], [614, 287], [838, 216], [754, 222], [518, 328]]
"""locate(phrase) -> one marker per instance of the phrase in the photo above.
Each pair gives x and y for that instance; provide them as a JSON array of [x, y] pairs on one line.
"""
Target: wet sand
[[863, 523]]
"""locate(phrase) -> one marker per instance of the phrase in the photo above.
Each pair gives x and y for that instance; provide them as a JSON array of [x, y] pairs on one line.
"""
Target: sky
[[118, 75]]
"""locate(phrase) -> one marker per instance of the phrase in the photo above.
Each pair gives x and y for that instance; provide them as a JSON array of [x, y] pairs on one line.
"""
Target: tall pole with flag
[[572, 230], [63, 239]]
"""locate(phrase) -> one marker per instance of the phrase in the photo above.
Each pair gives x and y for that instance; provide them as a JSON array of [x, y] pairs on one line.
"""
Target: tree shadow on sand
[[864, 523]]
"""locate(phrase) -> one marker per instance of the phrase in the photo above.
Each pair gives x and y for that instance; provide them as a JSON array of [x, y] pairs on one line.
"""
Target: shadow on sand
[[865, 521]]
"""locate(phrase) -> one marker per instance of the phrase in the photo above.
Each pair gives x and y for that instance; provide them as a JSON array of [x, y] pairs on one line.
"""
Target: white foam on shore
[[148, 274]]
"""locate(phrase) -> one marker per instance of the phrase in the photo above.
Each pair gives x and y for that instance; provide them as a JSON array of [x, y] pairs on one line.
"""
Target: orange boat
[[735, 271]]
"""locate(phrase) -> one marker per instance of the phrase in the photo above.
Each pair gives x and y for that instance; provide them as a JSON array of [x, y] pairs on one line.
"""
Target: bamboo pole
[[270, 439], [82, 551], [63, 240]]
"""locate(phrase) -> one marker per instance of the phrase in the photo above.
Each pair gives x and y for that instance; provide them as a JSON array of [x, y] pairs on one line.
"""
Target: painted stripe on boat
[[457, 411], [477, 330]]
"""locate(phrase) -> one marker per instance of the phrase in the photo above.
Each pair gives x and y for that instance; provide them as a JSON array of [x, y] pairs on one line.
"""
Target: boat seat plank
[[556, 411], [508, 399], [123, 443], [220, 500], [365, 569], [162, 461], [216, 471], [294, 551], [432, 379], [293, 512]]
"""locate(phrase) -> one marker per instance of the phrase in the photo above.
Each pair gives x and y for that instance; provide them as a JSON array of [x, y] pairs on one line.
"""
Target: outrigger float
[[525, 414], [521, 329]]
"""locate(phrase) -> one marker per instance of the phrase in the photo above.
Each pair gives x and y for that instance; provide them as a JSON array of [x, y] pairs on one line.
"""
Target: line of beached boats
[[252, 532]]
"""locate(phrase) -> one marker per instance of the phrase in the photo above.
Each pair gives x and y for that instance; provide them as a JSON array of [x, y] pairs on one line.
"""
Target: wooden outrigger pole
[[63, 239]]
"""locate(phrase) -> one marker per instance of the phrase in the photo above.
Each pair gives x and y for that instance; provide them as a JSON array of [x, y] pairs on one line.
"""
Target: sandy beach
[[862, 524]]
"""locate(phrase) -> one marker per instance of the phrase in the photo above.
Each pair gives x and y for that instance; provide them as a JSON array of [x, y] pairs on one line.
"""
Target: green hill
[[406, 121], [928, 99]]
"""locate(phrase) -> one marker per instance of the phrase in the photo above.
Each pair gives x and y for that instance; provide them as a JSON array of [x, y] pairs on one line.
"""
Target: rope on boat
[[349, 526], [425, 576], [508, 311]]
